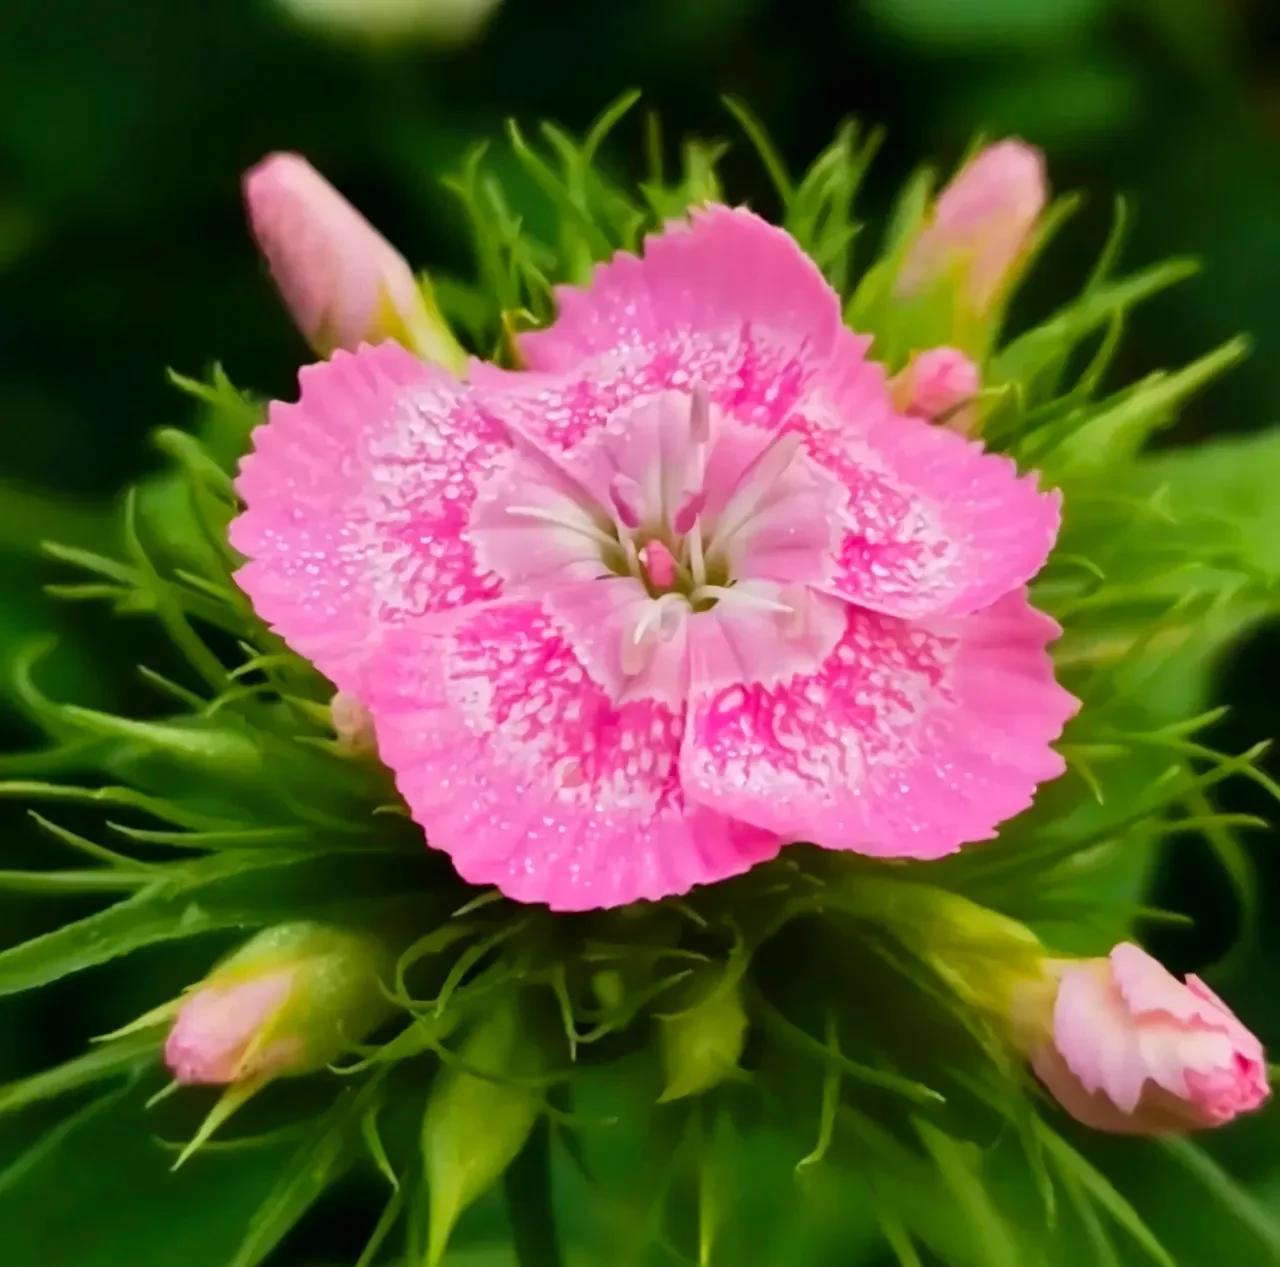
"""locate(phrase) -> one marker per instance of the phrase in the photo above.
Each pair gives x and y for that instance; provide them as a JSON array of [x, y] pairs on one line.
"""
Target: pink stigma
[[660, 564]]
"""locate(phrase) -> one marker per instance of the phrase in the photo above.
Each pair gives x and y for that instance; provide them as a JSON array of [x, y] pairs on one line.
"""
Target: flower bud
[[935, 384], [353, 725], [287, 1002], [1132, 1049], [476, 1125], [702, 1043], [981, 227], [342, 281]]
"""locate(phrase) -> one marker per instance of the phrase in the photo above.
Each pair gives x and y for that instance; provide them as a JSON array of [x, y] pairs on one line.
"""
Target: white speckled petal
[[531, 777], [908, 741]]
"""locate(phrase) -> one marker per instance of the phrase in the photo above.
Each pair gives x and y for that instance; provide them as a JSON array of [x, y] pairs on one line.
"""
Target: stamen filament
[[653, 615], [549, 516], [740, 597], [697, 560]]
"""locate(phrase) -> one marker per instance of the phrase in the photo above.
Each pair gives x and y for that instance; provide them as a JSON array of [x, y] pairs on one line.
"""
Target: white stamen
[[633, 555], [693, 493], [653, 615], [549, 516], [697, 561], [740, 598], [661, 619]]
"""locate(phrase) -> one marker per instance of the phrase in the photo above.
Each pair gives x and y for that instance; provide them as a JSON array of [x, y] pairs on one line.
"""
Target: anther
[[627, 498]]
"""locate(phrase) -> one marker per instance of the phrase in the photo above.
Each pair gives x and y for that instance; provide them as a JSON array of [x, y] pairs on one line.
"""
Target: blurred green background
[[124, 128]]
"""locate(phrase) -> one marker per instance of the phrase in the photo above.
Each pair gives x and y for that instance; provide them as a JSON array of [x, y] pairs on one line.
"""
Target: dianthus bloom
[[683, 590], [1134, 1050]]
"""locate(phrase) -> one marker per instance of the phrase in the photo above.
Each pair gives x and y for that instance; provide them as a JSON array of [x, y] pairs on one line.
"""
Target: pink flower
[[342, 281], [1135, 1050], [216, 1036], [935, 383], [685, 589], [981, 225]]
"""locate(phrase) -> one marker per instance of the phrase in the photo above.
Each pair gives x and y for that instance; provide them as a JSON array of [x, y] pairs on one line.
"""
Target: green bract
[[804, 1065]]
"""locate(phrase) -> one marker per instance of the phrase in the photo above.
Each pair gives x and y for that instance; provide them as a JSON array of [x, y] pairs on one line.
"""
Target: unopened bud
[[289, 1001], [353, 725], [476, 1125], [981, 227], [342, 281], [935, 385], [701, 1044], [1126, 1047]]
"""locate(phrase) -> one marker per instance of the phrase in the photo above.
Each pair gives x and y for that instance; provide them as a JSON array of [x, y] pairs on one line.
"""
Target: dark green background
[[124, 127]]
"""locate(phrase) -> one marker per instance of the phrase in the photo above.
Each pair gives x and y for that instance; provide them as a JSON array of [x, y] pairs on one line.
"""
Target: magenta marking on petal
[[521, 768], [726, 304], [903, 743], [357, 502], [933, 525]]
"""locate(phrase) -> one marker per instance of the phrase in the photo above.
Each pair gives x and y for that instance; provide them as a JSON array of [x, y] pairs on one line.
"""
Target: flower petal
[[934, 525], [531, 777], [356, 501], [1148, 988], [726, 300], [1095, 1033], [908, 741]]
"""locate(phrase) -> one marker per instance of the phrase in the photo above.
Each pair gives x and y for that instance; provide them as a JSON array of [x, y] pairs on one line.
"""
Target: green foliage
[[479, 1116], [852, 1013], [702, 1042]]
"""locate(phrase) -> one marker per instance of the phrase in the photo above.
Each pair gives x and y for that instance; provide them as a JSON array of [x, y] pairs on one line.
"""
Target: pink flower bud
[[981, 225], [353, 724], [342, 281], [213, 1039], [1134, 1050], [290, 1000], [935, 383]]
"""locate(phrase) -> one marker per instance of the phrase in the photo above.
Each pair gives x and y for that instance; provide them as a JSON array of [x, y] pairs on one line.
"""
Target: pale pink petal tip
[[936, 382], [352, 724], [686, 589], [1137, 1051], [342, 281], [217, 1025], [982, 224]]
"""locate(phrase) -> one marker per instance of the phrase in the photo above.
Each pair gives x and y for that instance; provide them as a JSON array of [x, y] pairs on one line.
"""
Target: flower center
[[693, 509], [675, 531]]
